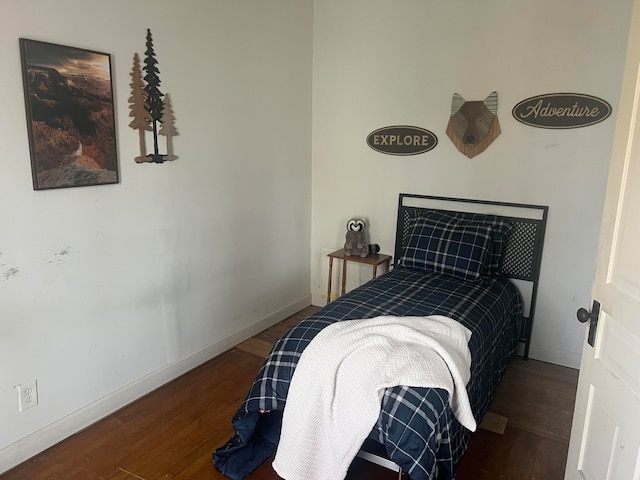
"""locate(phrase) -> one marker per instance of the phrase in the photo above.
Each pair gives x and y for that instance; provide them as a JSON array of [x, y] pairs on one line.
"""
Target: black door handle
[[583, 315]]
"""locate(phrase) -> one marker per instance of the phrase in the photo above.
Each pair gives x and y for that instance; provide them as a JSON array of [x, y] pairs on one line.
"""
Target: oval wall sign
[[402, 140], [561, 110]]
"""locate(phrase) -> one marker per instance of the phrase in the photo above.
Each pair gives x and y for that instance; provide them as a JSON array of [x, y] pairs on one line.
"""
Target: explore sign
[[402, 140], [561, 110]]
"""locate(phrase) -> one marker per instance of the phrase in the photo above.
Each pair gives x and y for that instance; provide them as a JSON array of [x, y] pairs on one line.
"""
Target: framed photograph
[[70, 115]]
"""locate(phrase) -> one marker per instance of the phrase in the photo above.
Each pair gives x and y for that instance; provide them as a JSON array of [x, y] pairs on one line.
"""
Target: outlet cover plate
[[27, 395]]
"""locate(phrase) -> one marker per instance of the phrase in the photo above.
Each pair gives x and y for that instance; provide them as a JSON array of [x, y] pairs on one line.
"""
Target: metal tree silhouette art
[[168, 127], [148, 108], [139, 108], [155, 103]]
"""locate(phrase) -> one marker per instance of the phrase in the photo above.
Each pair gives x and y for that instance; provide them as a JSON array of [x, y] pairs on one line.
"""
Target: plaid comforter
[[416, 425]]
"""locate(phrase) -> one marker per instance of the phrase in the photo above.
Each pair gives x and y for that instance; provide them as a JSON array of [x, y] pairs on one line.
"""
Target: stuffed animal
[[356, 238]]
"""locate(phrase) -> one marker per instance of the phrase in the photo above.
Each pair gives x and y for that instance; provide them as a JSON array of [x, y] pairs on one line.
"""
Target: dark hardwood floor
[[172, 432]]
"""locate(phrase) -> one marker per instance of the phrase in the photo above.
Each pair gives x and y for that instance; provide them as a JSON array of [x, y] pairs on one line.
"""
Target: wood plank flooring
[[172, 432], [537, 399]]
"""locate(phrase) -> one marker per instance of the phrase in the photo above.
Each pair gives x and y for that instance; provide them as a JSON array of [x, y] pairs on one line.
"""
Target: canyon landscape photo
[[70, 115]]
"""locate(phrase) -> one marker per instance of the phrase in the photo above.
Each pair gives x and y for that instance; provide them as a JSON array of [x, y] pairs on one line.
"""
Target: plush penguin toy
[[356, 238]]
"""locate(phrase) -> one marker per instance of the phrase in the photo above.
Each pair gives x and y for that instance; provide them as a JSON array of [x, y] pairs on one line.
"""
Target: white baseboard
[[555, 356], [48, 436]]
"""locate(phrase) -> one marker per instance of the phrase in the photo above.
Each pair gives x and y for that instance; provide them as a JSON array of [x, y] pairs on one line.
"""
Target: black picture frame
[[70, 114]]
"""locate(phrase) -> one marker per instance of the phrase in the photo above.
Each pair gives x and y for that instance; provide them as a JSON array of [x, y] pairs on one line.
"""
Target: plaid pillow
[[455, 248], [500, 232]]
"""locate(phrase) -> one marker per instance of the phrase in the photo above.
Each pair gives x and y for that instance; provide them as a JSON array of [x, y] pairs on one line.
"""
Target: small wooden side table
[[373, 259]]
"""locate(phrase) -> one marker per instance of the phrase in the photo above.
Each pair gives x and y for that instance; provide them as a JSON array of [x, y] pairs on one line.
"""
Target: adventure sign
[[402, 140], [561, 110]]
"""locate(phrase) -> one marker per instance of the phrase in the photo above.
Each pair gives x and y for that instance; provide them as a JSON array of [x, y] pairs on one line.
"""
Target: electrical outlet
[[27, 395]]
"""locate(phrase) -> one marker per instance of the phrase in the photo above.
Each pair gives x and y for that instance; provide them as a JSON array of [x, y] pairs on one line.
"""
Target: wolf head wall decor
[[473, 126]]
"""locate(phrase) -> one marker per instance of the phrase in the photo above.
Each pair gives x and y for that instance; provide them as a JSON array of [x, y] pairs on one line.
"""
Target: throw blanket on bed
[[336, 391]]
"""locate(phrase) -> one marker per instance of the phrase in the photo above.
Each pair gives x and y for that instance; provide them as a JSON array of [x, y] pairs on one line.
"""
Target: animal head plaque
[[473, 126]]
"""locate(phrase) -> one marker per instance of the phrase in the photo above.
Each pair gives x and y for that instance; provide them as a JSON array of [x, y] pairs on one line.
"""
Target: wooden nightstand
[[373, 259]]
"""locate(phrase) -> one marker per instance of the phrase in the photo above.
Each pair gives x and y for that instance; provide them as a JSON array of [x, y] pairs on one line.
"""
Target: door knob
[[584, 315], [592, 316]]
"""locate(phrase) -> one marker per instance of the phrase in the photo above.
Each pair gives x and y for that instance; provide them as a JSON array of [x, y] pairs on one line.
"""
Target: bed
[[476, 262]]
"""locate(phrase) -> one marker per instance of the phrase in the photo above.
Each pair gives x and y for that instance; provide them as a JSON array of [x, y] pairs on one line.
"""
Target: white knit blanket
[[336, 391]]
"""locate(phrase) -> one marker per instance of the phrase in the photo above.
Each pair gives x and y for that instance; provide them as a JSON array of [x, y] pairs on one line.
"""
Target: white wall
[[384, 62], [180, 261], [108, 291]]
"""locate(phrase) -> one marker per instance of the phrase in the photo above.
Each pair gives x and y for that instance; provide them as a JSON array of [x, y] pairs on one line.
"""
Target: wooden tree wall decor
[[473, 126], [149, 107]]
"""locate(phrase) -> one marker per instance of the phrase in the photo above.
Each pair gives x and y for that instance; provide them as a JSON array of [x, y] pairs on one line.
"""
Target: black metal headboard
[[523, 250]]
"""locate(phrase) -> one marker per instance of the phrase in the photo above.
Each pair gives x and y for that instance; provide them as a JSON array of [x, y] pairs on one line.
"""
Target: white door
[[605, 435]]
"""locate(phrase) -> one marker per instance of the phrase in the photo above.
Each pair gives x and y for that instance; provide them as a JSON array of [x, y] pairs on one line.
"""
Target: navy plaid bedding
[[453, 247], [416, 425]]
